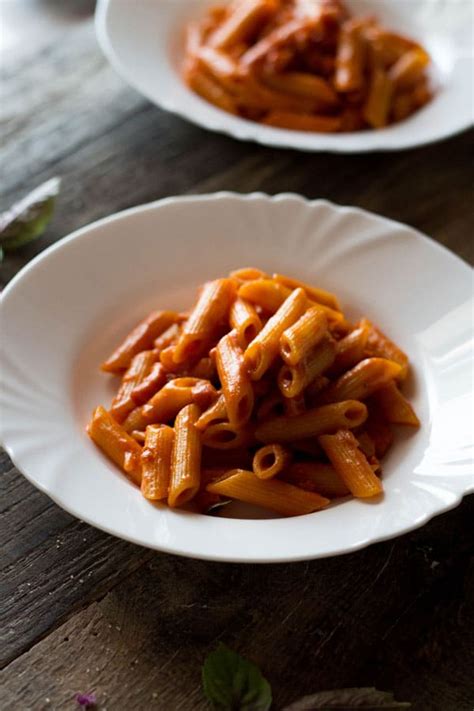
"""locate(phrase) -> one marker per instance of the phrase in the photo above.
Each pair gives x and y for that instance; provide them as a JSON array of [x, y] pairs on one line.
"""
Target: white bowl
[[143, 42], [63, 313]]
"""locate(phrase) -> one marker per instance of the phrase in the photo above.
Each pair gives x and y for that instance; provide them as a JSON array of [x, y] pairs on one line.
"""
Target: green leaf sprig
[[233, 683], [28, 218]]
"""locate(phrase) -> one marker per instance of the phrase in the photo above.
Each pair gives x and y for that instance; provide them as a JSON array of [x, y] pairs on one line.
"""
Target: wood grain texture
[[84, 610], [392, 615]]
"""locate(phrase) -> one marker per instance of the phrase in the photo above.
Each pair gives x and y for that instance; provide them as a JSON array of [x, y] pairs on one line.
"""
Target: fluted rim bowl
[[65, 310], [143, 41]]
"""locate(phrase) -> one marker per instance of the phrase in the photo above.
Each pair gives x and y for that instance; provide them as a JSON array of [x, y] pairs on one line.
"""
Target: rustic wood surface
[[83, 610]]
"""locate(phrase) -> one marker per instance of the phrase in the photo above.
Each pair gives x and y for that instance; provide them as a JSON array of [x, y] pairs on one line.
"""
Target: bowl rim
[[244, 130]]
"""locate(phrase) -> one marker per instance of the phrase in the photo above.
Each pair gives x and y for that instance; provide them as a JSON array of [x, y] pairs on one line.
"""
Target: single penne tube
[[279, 496], [270, 460], [409, 68], [299, 121], [263, 350], [379, 99], [217, 412], [149, 386], [167, 402], [394, 406], [244, 319], [362, 380], [379, 345], [156, 462], [210, 310], [316, 476], [264, 292], [223, 435], [300, 338], [248, 274], [350, 350], [185, 474], [140, 339], [312, 423], [209, 89], [320, 296], [350, 58], [236, 385], [304, 84], [242, 22], [112, 439], [293, 379], [123, 403], [351, 464]]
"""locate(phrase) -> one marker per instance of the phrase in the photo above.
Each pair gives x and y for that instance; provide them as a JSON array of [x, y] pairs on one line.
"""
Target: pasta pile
[[305, 65], [264, 393]]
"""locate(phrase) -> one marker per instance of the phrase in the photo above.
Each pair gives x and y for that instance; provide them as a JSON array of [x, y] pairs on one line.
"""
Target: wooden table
[[87, 611]]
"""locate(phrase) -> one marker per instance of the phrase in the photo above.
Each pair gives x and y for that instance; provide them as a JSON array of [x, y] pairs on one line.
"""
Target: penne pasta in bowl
[[272, 384], [314, 75]]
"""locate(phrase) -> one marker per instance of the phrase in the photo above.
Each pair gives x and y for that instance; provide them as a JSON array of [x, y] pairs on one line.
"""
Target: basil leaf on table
[[369, 699], [28, 218], [232, 683]]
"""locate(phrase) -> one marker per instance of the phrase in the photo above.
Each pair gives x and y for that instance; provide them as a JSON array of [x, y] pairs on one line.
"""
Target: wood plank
[[392, 615]]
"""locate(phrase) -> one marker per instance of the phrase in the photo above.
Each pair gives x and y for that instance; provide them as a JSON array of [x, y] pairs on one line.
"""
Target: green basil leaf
[[27, 219], [232, 683], [368, 699]]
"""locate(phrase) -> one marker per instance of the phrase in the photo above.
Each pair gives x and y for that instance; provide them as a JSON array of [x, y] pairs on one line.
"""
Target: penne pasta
[[123, 403], [379, 345], [211, 309], [270, 460], [185, 473], [241, 24], [146, 388], [216, 413], [304, 65], [316, 476], [319, 420], [350, 350], [350, 58], [244, 319], [110, 437], [376, 110], [351, 464], [165, 405], [320, 296], [279, 496], [266, 293], [293, 379], [141, 338], [156, 462], [394, 407], [251, 392], [248, 274], [223, 435], [236, 385], [263, 350], [300, 338], [361, 381]]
